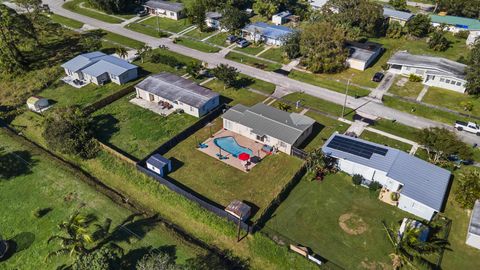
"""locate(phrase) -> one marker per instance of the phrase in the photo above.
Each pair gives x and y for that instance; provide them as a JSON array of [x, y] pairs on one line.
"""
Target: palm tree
[[143, 52], [284, 106], [320, 163], [122, 52], [75, 236]]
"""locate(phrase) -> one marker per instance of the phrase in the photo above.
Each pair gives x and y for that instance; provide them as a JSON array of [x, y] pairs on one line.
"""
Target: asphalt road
[[365, 105]]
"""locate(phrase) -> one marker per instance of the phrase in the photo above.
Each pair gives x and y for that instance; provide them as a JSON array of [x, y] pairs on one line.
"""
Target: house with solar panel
[[266, 33], [100, 68], [268, 125], [421, 186], [172, 91]]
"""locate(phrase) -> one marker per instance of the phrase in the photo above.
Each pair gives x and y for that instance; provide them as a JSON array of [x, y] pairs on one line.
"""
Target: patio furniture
[[255, 159], [202, 145], [267, 149], [244, 156]]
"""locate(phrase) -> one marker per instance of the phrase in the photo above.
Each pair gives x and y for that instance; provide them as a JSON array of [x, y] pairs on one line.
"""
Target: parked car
[[468, 127], [231, 39], [242, 43], [142, 13], [378, 77]]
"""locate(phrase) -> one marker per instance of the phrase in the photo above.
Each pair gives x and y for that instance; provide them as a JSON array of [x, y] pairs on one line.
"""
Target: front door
[[151, 97]]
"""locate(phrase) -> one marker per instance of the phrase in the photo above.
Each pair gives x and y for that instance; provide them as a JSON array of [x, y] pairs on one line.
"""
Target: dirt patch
[[371, 265], [352, 224], [401, 82]]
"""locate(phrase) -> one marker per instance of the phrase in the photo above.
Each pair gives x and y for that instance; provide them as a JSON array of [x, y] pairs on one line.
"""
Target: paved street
[[361, 104]]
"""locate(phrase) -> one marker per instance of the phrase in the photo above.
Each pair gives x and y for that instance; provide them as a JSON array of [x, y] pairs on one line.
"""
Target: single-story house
[[422, 186], [473, 234], [37, 103], [317, 4], [393, 15], [212, 20], [100, 68], [435, 71], [239, 210], [165, 9], [280, 18], [268, 125], [456, 24], [267, 33], [362, 55], [180, 93], [159, 164]]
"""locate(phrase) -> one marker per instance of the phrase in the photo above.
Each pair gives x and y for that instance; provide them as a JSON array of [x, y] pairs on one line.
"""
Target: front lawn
[[136, 130], [325, 126], [315, 212], [65, 21], [452, 100], [252, 49], [408, 90], [219, 39], [251, 61], [166, 24], [196, 33], [234, 96], [275, 54], [383, 140], [74, 6], [125, 41], [222, 183], [197, 45], [257, 84], [147, 30], [397, 129]]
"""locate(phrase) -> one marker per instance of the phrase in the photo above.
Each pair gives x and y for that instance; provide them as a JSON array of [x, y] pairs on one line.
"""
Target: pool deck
[[212, 150]]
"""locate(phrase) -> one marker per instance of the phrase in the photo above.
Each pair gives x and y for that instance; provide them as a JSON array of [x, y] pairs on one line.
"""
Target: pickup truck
[[468, 127]]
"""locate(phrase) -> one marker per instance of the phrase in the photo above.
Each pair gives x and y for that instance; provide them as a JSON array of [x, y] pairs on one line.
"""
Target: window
[[453, 82], [447, 81], [442, 80], [191, 108], [459, 84], [282, 144], [396, 67], [172, 14]]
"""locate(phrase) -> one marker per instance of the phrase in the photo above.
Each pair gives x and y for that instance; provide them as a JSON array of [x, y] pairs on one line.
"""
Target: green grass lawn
[[166, 24], [397, 129], [219, 39], [251, 49], [222, 183], [452, 100], [310, 217], [46, 184], [380, 139], [257, 84], [409, 90], [234, 96], [125, 41], [156, 68], [252, 61], [65, 21], [74, 6], [150, 31], [322, 81], [275, 54], [196, 33], [136, 130], [197, 45], [326, 127]]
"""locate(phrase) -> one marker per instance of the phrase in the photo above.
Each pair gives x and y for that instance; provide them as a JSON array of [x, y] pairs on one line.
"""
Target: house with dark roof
[[422, 186], [456, 24], [268, 125], [435, 71], [393, 15], [165, 9], [100, 68], [361, 55], [179, 93], [267, 33], [473, 233]]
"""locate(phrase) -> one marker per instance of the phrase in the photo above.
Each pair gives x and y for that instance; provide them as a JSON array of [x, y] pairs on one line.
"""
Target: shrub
[[394, 196], [357, 179], [462, 34], [415, 78], [374, 186], [40, 212], [166, 60]]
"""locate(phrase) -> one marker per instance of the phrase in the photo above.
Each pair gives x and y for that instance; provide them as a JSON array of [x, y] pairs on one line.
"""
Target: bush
[[394, 196], [415, 78], [166, 60], [357, 179], [40, 212], [462, 34], [374, 186]]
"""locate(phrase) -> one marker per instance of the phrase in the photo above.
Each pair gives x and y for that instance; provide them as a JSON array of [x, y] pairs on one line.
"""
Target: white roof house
[[100, 68], [473, 234], [270, 34], [362, 55], [317, 4], [280, 18], [422, 186], [177, 92], [212, 20], [268, 125], [397, 16], [166, 9], [435, 71]]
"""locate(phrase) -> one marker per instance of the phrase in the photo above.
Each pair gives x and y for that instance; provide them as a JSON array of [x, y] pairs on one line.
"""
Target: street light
[[346, 95]]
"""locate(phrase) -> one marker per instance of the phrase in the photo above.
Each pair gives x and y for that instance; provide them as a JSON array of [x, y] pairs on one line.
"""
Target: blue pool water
[[230, 145]]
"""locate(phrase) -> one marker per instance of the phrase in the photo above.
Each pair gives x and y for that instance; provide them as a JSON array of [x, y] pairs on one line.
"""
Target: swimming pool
[[230, 145]]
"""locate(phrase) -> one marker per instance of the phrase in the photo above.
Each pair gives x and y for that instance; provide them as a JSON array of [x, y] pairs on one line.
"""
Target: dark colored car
[[142, 13], [242, 43], [378, 77], [231, 39]]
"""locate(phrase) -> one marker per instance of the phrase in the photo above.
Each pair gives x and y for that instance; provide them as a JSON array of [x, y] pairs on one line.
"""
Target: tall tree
[[195, 11], [398, 4], [323, 47], [438, 41], [107, 257], [468, 188], [462, 8], [112, 6], [156, 261], [440, 143], [144, 52], [227, 74], [473, 70], [233, 19], [419, 26], [121, 51], [267, 8], [291, 46]]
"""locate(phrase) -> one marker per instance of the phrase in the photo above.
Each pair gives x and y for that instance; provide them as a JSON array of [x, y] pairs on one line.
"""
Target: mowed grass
[[166, 24], [44, 183], [222, 183], [122, 40], [74, 6], [65, 21], [383, 140], [197, 45], [196, 33], [452, 100], [219, 39], [275, 54], [408, 90], [234, 96], [150, 31], [251, 61], [310, 217], [136, 130], [397, 129], [252, 49], [323, 129]]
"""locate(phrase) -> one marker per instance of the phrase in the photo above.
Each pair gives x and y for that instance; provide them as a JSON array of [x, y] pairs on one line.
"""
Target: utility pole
[[345, 101]]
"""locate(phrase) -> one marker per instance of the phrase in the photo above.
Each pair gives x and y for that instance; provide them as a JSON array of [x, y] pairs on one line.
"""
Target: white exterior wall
[[401, 22], [414, 207], [155, 169], [356, 64], [277, 20], [127, 76], [165, 13], [257, 38], [75, 75], [474, 35], [473, 240], [213, 23], [386, 181]]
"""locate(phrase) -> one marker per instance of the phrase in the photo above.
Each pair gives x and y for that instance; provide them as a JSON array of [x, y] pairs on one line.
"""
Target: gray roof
[[318, 3], [439, 64], [97, 63], [400, 15], [166, 5], [83, 60], [268, 30], [158, 161], [213, 15], [363, 51], [176, 88], [474, 226], [283, 14], [422, 181], [266, 120]]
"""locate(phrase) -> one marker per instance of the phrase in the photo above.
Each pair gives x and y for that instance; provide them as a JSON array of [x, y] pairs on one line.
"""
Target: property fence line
[[299, 153], [108, 100], [118, 153]]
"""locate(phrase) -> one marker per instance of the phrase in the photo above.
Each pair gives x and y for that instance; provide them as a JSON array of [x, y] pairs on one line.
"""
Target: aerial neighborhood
[[249, 134]]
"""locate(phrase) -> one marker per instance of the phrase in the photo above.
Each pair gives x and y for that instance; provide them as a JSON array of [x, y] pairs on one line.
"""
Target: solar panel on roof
[[355, 147]]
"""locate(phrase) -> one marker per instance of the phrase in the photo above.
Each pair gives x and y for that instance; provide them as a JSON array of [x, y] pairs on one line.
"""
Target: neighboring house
[[435, 71], [100, 68], [280, 18], [165, 9], [456, 24], [180, 93], [267, 33], [473, 234], [362, 55], [393, 15], [159, 164], [212, 20], [317, 4], [37, 104], [422, 187], [269, 125]]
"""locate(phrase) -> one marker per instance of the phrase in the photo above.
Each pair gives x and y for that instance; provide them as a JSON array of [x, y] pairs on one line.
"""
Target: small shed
[[473, 234], [239, 210], [37, 103], [159, 164], [280, 18]]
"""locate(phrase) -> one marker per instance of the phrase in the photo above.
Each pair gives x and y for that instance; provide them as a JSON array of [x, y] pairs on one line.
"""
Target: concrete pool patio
[[212, 149]]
